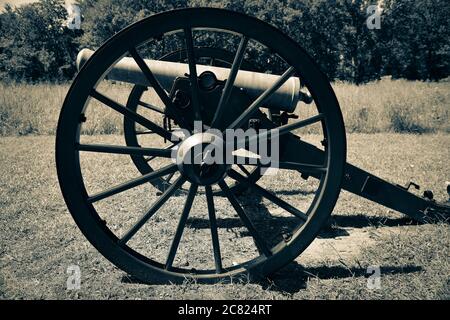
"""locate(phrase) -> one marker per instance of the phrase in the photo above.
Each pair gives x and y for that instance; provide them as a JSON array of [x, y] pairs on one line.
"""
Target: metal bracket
[[415, 185]]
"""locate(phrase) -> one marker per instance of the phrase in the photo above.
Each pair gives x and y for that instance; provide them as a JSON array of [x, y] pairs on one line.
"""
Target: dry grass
[[395, 106], [39, 240], [34, 109], [383, 106]]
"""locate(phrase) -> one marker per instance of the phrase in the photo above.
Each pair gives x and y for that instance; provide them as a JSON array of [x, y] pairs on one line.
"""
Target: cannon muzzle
[[254, 83]]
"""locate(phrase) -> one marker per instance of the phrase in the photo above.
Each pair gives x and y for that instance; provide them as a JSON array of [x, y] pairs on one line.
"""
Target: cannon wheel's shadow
[[294, 277]]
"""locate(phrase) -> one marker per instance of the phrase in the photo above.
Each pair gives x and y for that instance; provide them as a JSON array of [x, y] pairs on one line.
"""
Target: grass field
[[382, 106], [398, 130], [39, 239]]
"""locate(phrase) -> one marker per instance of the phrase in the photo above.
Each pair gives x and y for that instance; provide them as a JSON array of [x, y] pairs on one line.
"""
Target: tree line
[[412, 41]]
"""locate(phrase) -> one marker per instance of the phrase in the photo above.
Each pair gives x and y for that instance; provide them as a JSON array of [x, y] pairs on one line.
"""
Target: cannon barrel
[[254, 83]]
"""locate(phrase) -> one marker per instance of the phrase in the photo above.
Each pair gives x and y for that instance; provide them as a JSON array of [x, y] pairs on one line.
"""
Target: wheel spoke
[[138, 133], [133, 115], [260, 244], [166, 148], [302, 167], [132, 183], [279, 131], [289, 165], [244, 169], [181, 225], [299, 124], [262, 99], [102, 148], [268, 195], [155, 207], [169, 177], [156, 86], [151, 107], [230, 81], [192, 73], [213, 226]]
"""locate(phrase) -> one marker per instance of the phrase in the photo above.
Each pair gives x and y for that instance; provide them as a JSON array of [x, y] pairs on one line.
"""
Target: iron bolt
[[286, 236]]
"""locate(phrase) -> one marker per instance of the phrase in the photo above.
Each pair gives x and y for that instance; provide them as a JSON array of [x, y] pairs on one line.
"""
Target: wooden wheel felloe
[[187, 234]]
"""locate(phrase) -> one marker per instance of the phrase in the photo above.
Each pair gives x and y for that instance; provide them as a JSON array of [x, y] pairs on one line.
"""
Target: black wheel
[[133, 131], [254, 234]]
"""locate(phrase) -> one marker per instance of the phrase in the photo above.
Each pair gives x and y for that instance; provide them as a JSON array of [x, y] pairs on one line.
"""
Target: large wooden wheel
[[207, 232]]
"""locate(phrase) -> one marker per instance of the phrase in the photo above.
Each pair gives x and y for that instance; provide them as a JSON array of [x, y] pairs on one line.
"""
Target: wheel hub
[[200, 158]]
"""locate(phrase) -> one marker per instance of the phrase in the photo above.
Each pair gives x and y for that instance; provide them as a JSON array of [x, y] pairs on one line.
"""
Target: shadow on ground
[[333, 229], [363, 221], [294, 276]]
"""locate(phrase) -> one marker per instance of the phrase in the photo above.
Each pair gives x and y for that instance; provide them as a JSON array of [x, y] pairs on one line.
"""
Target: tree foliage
[[413, 42], [34, 42]]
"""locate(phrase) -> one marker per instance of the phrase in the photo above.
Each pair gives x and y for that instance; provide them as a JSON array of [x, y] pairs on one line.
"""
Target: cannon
[[204, 92]]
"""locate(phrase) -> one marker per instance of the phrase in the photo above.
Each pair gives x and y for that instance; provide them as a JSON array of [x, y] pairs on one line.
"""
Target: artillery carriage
[[223, 90]]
